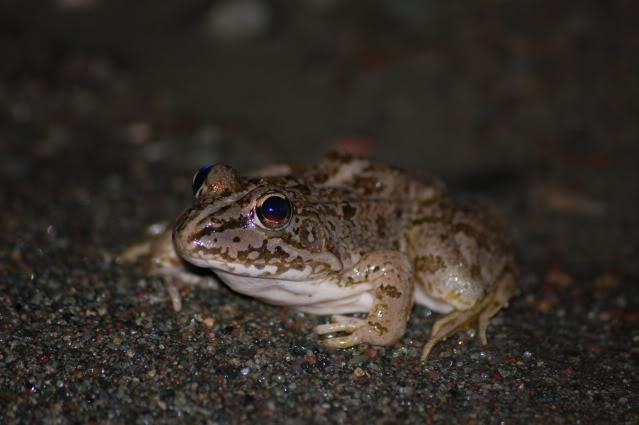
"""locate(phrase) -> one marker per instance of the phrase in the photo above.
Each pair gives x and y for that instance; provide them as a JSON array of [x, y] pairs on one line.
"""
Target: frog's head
[[257, 227]]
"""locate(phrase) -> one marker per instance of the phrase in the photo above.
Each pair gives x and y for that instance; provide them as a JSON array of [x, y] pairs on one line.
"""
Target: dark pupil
[[275, 208], [200, 177]]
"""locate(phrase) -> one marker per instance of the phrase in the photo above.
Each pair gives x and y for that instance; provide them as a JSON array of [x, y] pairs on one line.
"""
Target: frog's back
[[364, 205], [365, 180]]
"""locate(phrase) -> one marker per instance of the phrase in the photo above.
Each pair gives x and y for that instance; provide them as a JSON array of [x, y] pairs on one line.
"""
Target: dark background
[[107, 108]]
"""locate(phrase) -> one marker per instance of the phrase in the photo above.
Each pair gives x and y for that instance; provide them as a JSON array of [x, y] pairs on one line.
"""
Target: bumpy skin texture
[[359, 237]]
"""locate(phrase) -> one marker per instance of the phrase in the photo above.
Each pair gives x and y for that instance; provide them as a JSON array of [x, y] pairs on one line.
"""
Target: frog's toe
[[192, 279], [340, 324], [342, 341], [174, 294], [133, 253], [364, 334], [341, 318]]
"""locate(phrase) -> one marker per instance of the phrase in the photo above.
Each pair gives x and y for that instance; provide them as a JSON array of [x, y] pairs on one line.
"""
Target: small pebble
[[235, 20]]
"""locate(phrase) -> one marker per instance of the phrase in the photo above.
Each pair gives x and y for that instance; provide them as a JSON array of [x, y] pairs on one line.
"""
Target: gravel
[[107, 110]]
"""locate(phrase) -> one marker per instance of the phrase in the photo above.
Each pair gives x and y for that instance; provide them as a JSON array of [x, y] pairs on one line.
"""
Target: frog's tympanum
[[345, 235]]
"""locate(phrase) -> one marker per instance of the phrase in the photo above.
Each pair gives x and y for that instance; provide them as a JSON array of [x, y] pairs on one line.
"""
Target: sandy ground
[[108, 108]]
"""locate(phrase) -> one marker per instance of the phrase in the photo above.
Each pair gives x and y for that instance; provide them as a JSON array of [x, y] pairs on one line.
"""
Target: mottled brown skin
[[360, 236]]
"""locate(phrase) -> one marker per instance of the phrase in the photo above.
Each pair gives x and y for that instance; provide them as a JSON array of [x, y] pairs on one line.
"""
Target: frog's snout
[[185, 236], [180, 224]]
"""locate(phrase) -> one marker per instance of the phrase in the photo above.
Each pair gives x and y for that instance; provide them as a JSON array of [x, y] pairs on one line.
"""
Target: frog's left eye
[[273, 211], [199, 178]]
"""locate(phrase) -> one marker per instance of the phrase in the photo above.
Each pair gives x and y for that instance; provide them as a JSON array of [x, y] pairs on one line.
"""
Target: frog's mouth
[[317, 296], [259, 271]]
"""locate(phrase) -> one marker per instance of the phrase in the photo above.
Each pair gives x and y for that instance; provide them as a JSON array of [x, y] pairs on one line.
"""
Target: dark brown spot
[[278, 252], [378, 327], [475, 271], [236, 239], [321, 178], [378, 309], [348, 211], [429, 219], [381, 227], [240, 222], [349, 281], [429, 263], [388, 291], [471, 232]]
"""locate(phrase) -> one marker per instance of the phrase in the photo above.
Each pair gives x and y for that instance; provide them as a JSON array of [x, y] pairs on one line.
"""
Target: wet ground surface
[[106, 111]]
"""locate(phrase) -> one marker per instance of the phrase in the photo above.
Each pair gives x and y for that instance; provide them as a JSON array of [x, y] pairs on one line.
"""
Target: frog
[[341, 236]]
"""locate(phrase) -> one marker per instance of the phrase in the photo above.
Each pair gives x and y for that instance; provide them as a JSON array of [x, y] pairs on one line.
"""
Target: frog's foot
[[447, 326], [134, 252], [160, 259], [480, 313], [142, 249], [176, 278], [360, 331], [342, 324], [173, 296], [174, 281]]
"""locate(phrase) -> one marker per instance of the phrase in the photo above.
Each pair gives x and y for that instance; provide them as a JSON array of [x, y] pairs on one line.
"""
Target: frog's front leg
[[161, 259], [391, 273]]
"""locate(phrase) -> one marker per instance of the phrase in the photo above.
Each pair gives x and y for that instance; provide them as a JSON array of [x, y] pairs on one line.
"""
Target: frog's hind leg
[[504, 290], [447, 326], [481, 313]]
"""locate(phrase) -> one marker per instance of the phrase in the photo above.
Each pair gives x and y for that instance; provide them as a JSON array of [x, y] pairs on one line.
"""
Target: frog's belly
[[323, 296]]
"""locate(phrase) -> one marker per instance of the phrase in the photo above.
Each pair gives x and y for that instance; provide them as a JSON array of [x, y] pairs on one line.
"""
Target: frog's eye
[[273, 211], [199, 178]]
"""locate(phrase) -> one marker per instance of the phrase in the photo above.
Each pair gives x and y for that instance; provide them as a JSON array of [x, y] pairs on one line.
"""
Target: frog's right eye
[[273, 210], [199, 178]]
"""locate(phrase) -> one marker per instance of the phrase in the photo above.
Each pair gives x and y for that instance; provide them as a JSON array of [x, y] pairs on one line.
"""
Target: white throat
[[319, 296]]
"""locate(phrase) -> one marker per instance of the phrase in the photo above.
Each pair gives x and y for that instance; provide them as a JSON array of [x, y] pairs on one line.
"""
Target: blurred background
[[530, 103], [433, 86], [108, 108]]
